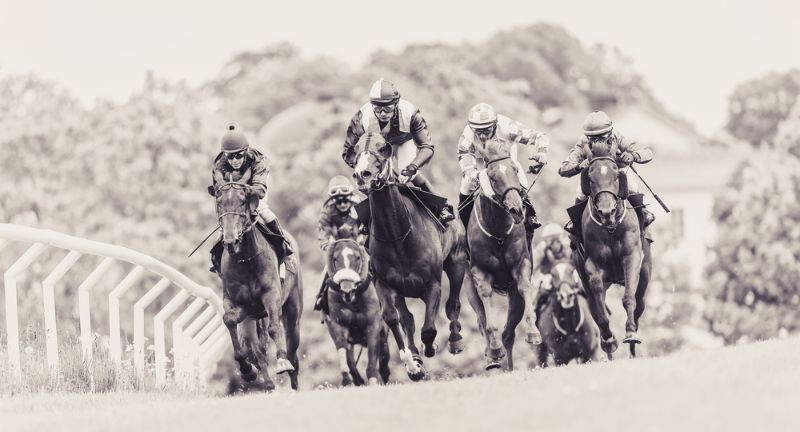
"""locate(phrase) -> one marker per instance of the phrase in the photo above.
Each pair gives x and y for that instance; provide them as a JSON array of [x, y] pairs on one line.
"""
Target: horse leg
[[455, 268], [526, 290], [597, 305], [339, 336], [291, 325], [494, 349], [644, 281], [516, 308], [358, 380], [432, 302], [373, 351], [232, 317], [383, 365], [632, 265], [392, 319], [255, 331], [272, 304], [477, 306], [409, 326]]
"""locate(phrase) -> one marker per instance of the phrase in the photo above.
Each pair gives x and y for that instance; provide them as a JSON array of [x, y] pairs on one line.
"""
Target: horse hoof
[[346, 381], [373, 381], [609, 345], [496, 354], [456, 346], [632, 338], [533, 338], [284, 366], [417, 359], [493, 364], [249, 377], [416, 376], [430, 350]]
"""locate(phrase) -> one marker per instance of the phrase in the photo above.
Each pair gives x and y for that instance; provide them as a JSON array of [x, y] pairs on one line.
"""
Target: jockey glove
[[409, 171], [583, 165], [627, 158], [534, 169]]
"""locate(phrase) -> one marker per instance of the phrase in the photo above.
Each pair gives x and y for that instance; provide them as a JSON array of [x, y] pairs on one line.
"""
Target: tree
[[758, 106]]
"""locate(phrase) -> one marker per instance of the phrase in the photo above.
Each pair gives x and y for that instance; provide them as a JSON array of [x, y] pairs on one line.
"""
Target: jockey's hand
[[248, 190], [212, 191], [535, 168], [407, 173], [583, 165], [626, 158]]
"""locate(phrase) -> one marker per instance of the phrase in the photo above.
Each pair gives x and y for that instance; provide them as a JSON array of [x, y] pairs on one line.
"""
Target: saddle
[[432, 202], [277, 241]]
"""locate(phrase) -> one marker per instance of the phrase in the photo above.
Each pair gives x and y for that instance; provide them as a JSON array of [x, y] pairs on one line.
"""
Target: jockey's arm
[[422, 139], [354, 132], [529, 136], [571, 166], [466, 155], [324, 228], [260, 175], [641, 154]]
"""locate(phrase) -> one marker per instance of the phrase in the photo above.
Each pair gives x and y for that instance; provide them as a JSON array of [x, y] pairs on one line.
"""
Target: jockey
[[551, 250], [237, 157], [337, 220], [403, 127], [598, 128], [485, 124]]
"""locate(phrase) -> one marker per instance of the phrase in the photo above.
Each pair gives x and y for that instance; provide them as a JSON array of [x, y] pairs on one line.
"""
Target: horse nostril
[[366, 173]]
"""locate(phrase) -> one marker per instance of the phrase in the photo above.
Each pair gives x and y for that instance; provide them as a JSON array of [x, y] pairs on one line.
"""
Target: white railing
[[199, 339]]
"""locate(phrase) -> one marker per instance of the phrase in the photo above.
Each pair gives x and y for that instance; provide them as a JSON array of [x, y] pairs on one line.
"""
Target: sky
[[692, 53]]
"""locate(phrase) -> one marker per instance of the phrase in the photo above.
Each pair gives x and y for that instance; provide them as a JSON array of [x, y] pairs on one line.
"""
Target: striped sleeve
[[466, 152]]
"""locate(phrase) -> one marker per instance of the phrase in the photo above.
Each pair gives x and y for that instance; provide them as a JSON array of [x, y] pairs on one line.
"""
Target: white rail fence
[[198, 334]]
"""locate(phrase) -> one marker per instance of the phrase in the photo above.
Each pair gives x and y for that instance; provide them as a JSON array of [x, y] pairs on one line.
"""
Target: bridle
[[364, 282], [617, 199], [499, 200], [246, 215]]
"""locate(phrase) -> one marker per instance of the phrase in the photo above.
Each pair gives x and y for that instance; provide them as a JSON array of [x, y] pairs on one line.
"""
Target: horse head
[[603, 174], [348, 267], [234, 209], [567, 284], [502, 176], [372, 169]]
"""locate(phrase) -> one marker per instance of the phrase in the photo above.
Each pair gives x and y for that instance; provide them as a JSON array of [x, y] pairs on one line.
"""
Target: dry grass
[[745, 388]]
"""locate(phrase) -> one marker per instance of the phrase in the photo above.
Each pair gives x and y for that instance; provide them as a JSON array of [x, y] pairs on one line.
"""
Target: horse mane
[[497, 148], [371, 142], [600, 149]]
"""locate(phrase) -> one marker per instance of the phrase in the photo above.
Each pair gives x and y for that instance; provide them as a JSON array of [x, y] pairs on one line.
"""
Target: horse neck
[[252, 244], [493, 217], [390, 216]]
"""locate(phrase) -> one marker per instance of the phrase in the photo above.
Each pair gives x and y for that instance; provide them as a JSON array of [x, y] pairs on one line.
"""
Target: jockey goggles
[[340, 190], [489, 130], [383, 109], [234, 156]]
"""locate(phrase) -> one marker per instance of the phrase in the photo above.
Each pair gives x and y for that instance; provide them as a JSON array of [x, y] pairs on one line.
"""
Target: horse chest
[[349, 318]]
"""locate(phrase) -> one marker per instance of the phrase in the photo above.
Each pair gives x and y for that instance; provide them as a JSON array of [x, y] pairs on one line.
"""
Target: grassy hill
[[744, 388]]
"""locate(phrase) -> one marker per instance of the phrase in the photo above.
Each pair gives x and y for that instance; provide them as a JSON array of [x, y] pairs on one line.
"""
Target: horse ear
[[211, 190]]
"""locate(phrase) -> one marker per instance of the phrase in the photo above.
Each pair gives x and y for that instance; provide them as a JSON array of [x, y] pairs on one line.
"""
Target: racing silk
[[406, 124], [471, 149], [254, 171], [581, 152], [544, 261], [331, 219]]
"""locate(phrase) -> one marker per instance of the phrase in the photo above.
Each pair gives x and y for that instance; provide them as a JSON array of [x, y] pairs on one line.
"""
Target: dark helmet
[[233, 141], [597, 123]]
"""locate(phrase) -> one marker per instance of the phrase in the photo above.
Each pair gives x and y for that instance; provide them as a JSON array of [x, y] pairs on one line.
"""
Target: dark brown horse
[[254, 299], [568, 330], [612, 250], [354, 313], [500, 260], [408, 252]]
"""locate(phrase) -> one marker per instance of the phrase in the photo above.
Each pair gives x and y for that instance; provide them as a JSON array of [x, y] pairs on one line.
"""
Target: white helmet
[[482, 116], [551, 230]]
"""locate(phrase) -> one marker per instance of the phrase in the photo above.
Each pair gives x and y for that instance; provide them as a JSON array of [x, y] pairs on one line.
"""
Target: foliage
[[758, 106], [754, 273]]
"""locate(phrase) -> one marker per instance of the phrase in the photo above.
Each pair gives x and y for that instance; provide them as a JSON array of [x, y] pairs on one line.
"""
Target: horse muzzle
[[348, 290]]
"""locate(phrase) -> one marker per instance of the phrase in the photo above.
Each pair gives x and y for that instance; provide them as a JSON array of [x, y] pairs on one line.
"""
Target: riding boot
[[645, 216], [216, 257], [531, 221], [419, 180], [321, 302], [573, 227], [275, 227], [465, 204]]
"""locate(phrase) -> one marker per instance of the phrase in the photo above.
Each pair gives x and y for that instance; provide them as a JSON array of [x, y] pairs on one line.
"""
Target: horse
[[253, 295], [354, 313], [613, 250], [500, 258], [408, 253], [568, 330]]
